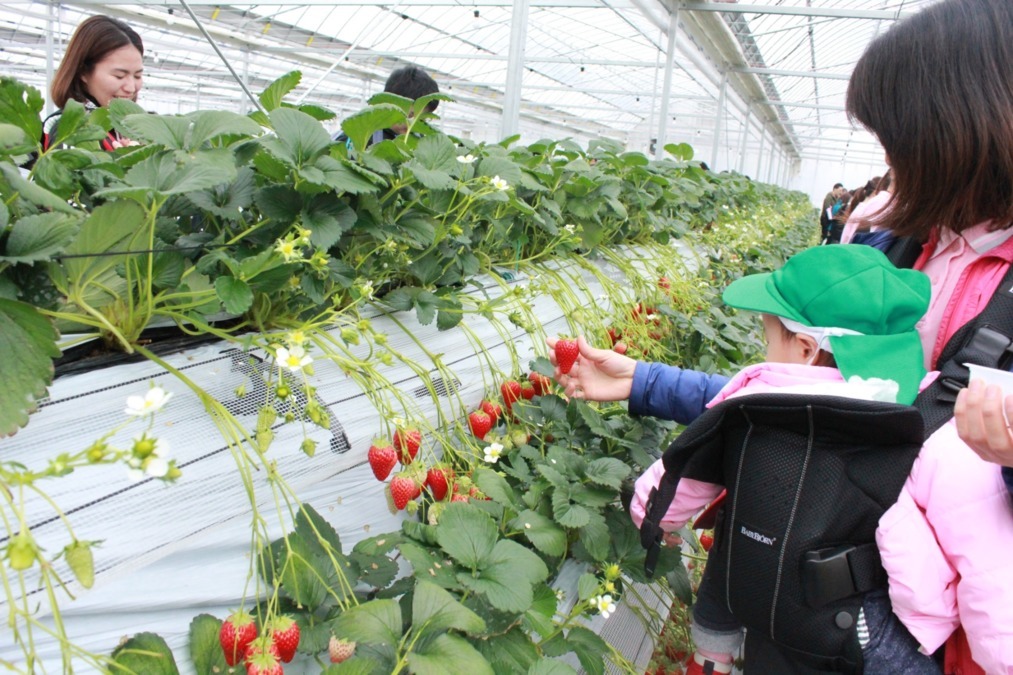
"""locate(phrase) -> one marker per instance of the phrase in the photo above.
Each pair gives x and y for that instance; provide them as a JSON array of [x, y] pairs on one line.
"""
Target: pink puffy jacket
[[947, 544]]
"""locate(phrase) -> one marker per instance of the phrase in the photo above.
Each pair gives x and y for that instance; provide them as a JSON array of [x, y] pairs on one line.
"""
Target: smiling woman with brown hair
[[104, 60]]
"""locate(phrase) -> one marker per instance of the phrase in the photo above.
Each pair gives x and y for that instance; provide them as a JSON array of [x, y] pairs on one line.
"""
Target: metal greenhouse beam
[[510, 122], [666, 88], [792, 73], [829, 12]]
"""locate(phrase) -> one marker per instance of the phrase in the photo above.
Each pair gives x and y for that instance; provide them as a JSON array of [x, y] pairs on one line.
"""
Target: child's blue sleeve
[[671, 393]]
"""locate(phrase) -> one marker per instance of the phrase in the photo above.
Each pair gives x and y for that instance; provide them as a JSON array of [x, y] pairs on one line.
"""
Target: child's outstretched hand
[[597, 375]]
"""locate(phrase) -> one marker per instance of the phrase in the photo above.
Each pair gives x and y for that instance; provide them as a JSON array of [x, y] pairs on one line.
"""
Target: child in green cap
[[840, 321]]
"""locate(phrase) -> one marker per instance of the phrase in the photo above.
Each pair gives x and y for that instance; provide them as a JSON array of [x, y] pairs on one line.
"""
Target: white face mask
[[821, 334]]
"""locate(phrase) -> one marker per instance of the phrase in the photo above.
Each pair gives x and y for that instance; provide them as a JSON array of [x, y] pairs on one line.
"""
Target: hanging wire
[[214, 45]]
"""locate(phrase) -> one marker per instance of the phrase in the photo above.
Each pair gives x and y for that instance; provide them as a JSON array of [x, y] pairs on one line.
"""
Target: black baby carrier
[[808, 478]]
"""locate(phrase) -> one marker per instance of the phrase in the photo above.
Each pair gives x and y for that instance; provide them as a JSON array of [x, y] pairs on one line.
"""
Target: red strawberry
[[620, 348], [480, 423], [615, 335], [459, 498], [706, 541], [285, 634], [262, 658], [340, 650], [402, 490], [493, 410], [527, 391], [382, 458], [541, 383], [511, 391], [407, 441], [438, 481], [664, 283], [567, 352], [236, 634]]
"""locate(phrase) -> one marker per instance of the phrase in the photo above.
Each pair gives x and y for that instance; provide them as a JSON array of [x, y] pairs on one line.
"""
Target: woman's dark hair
[[94, 37], [937, 91]]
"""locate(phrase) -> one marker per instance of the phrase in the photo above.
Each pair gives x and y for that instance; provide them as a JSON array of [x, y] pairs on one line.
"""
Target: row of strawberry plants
[[298, 238]]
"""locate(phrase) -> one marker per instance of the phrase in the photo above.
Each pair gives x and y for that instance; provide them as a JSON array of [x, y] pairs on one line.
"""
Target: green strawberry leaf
[[551, 667], [507, 576], [595, 537], [511, 652], [587, 586], [467, 534], [607, 471], [434, 610], [448, 655], [276, 91], [542, 532], [495, 486], [235, 294], [376, 624], [205, 649], [145, 653], [27, 349], [357, 665], [589, 648], [40, 237]]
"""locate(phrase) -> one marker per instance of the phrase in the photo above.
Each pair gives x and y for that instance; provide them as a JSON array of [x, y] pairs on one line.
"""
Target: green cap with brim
[[857, 289]]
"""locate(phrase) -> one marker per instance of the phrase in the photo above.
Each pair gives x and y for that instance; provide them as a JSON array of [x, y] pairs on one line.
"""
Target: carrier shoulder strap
[[986, 340]]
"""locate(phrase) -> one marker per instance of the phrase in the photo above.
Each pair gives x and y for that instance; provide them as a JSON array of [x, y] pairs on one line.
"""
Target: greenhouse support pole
[[719, 118], [666, 87], [49, 54], [759, 155], [510, 123], [742, 139]]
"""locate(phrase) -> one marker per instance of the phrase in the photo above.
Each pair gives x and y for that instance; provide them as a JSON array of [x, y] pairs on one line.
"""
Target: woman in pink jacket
[[946, 542]]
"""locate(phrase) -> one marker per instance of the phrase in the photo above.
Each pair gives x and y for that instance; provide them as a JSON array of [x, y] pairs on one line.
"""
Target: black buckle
[[985, 346], [826, 575], [650, 535]]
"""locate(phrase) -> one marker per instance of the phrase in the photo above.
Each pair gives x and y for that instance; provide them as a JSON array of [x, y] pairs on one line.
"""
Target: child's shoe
[[701, 665]]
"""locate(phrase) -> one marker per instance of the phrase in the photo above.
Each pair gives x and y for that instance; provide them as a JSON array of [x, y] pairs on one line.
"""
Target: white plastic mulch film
[[170, 552]]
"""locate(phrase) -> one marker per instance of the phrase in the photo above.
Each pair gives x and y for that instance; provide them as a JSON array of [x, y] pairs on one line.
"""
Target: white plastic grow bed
[[170, 552]]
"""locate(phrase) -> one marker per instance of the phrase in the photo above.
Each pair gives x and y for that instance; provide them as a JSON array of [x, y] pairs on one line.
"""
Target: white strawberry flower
[[151, 402], [466, 159], [294, 359], [604, 604], [156, 467], [288, 249], [570, 227], [493, 453], [499, 183]]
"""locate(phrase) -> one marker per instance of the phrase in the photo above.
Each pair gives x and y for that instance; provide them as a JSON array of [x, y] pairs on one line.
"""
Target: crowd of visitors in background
[[850, 216]]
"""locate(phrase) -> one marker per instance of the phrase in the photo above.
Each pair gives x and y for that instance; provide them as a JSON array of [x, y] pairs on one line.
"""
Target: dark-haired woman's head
[[937, 91], [104, 60]]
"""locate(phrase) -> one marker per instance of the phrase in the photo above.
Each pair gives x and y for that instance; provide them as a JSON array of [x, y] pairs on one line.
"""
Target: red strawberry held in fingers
[[511, 391], [407, 441], [567, 352], [402, 491], [493, 410], [285, 635], [438, 481], [480, 424], [236, 634], [527, 391], [382, 458]]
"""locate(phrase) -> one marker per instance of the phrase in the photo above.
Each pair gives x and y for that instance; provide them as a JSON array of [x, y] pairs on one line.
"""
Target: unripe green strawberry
[[340, 650], [22, 551], [82, 563]]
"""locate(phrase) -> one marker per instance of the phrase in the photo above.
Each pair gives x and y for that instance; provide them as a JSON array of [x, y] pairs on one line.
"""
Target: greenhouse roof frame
[[763, 72]]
